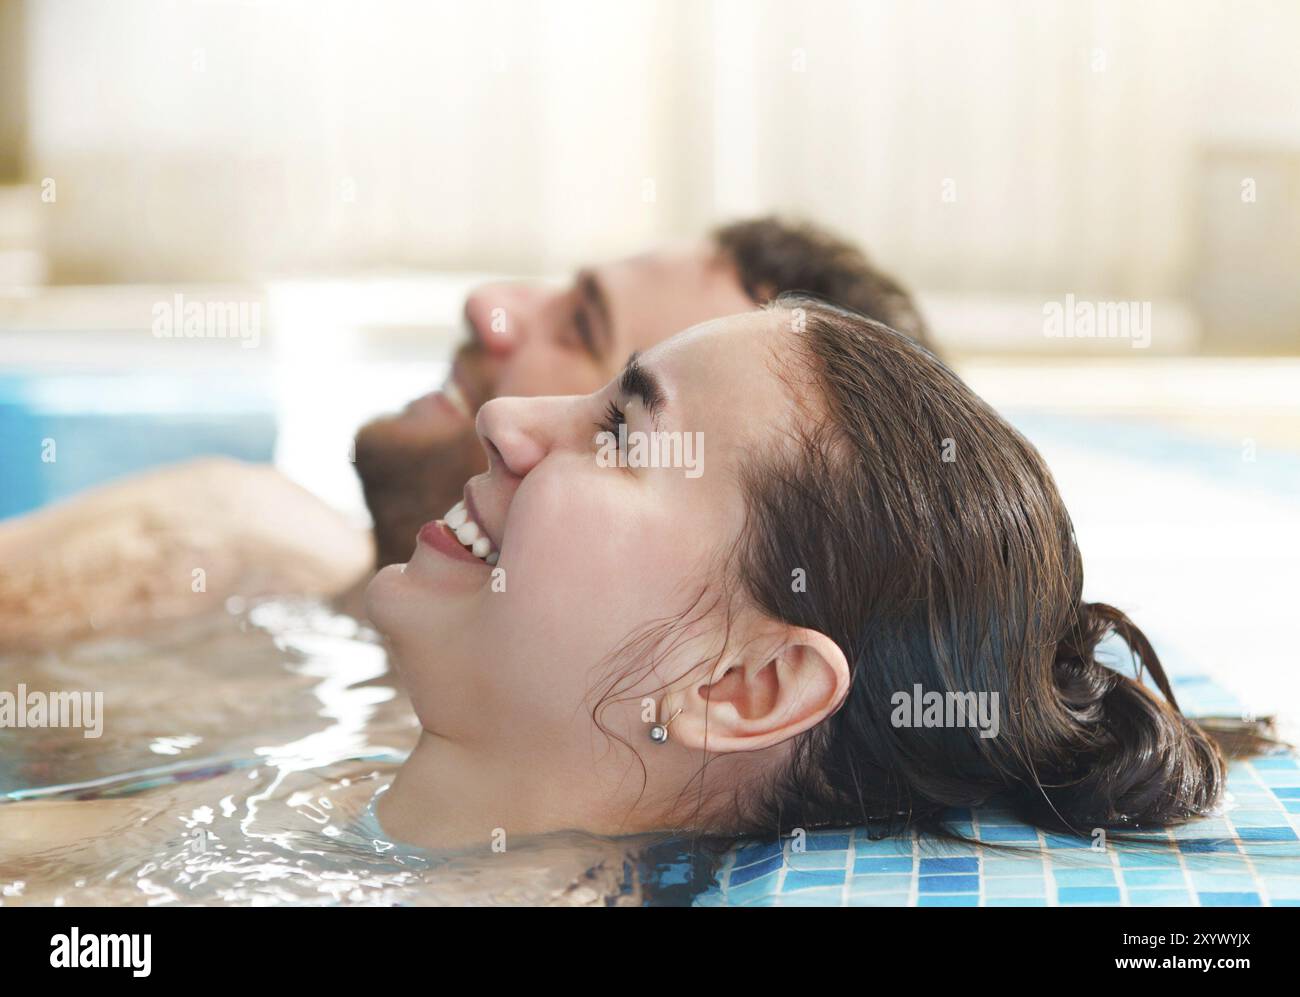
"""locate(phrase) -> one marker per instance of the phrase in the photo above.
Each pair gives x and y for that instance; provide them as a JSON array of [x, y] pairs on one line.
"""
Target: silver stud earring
[[659, 731]]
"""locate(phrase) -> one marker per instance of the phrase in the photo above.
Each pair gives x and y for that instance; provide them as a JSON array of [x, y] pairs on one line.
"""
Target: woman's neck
[[446, 797]]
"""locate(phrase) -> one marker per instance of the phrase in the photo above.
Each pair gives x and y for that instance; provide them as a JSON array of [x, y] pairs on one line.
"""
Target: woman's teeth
[[469, 533]]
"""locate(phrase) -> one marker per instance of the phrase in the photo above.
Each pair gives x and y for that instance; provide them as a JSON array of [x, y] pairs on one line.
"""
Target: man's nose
[[500, 313]]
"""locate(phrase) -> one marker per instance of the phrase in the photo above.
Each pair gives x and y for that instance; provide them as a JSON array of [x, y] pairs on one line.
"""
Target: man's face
[[527, 340]]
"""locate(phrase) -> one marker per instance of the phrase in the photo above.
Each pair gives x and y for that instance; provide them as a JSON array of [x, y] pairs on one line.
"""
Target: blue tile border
[[1247, 856]]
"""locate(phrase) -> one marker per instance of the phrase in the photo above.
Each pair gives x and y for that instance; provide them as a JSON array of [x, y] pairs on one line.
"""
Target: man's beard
[[408, 482]]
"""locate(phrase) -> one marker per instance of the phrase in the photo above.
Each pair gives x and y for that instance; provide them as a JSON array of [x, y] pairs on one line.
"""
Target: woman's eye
[[614, 418]]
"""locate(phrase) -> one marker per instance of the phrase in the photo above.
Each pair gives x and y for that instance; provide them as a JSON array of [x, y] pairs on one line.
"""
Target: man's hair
[[775, 257]]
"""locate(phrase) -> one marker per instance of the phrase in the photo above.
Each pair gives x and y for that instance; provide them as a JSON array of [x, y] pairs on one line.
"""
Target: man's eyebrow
[[593, 293], [639, 381]]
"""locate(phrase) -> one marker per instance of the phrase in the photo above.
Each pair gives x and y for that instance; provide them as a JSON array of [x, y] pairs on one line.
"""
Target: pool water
[[63, 432], [237, 765]]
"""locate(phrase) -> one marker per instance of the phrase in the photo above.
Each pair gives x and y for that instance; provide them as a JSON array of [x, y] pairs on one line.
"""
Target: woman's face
[[506, 660]]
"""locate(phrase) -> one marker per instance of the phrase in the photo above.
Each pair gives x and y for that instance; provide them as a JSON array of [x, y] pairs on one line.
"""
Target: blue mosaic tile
[[865, 865], [828, 842], [1249, 856], [1208, 829], [1216, 862], [1088, 894], [1160, 898], [948, 900], [1003, 869], [1064, 842], [798, 879], [764, 900], [1015, 902], [823, 897], [883, 846], [1284, 885], [949, 884], [740, 876], [1266, 834], [1085, 877], [1148, 858], [878, 899], [1015, 886], [1229, 899], [1009, 832], [881, 884], [1245, 820], [1084, 858], [748, 854], [932, 866], [1208, 845], [817, 860], [947, 849], [1277, 779], [1214, 882], [754, 890], [1154, 877]]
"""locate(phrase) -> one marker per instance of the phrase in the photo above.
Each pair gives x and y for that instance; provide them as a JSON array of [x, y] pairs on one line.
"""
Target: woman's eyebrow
[[639, 381]]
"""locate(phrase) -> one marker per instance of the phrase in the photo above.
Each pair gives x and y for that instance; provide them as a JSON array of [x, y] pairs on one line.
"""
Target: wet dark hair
[[938, 552], [775, 256]]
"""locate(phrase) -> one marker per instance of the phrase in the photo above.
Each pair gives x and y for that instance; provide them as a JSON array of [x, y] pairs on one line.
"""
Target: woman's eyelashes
[[614, 418]]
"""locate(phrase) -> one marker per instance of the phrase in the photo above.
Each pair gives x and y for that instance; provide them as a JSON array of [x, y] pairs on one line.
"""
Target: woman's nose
[[518, 432]]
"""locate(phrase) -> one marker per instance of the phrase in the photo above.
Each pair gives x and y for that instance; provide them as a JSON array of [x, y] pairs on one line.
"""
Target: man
[[531, 340], [182, 540]]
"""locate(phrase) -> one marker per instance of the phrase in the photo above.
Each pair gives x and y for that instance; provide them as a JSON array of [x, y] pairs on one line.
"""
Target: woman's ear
[[756, 700]]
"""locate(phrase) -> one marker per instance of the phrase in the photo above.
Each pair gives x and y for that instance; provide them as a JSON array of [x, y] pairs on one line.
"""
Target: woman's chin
[[416, 619], [384, 597]]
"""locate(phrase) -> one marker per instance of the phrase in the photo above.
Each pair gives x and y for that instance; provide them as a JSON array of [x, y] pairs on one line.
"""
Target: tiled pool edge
[[1203, 864]]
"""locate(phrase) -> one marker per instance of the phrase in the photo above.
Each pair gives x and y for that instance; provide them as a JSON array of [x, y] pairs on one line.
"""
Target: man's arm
[[167, 544]]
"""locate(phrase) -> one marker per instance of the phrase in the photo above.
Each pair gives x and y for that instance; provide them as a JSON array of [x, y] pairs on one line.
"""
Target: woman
[[623, 649]]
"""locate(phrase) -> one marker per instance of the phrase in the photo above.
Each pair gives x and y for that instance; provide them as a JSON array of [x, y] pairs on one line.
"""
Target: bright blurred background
[[995, 148], [353, 167]]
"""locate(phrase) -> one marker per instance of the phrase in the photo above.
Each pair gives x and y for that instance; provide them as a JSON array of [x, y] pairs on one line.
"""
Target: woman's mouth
[[458, 535]]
